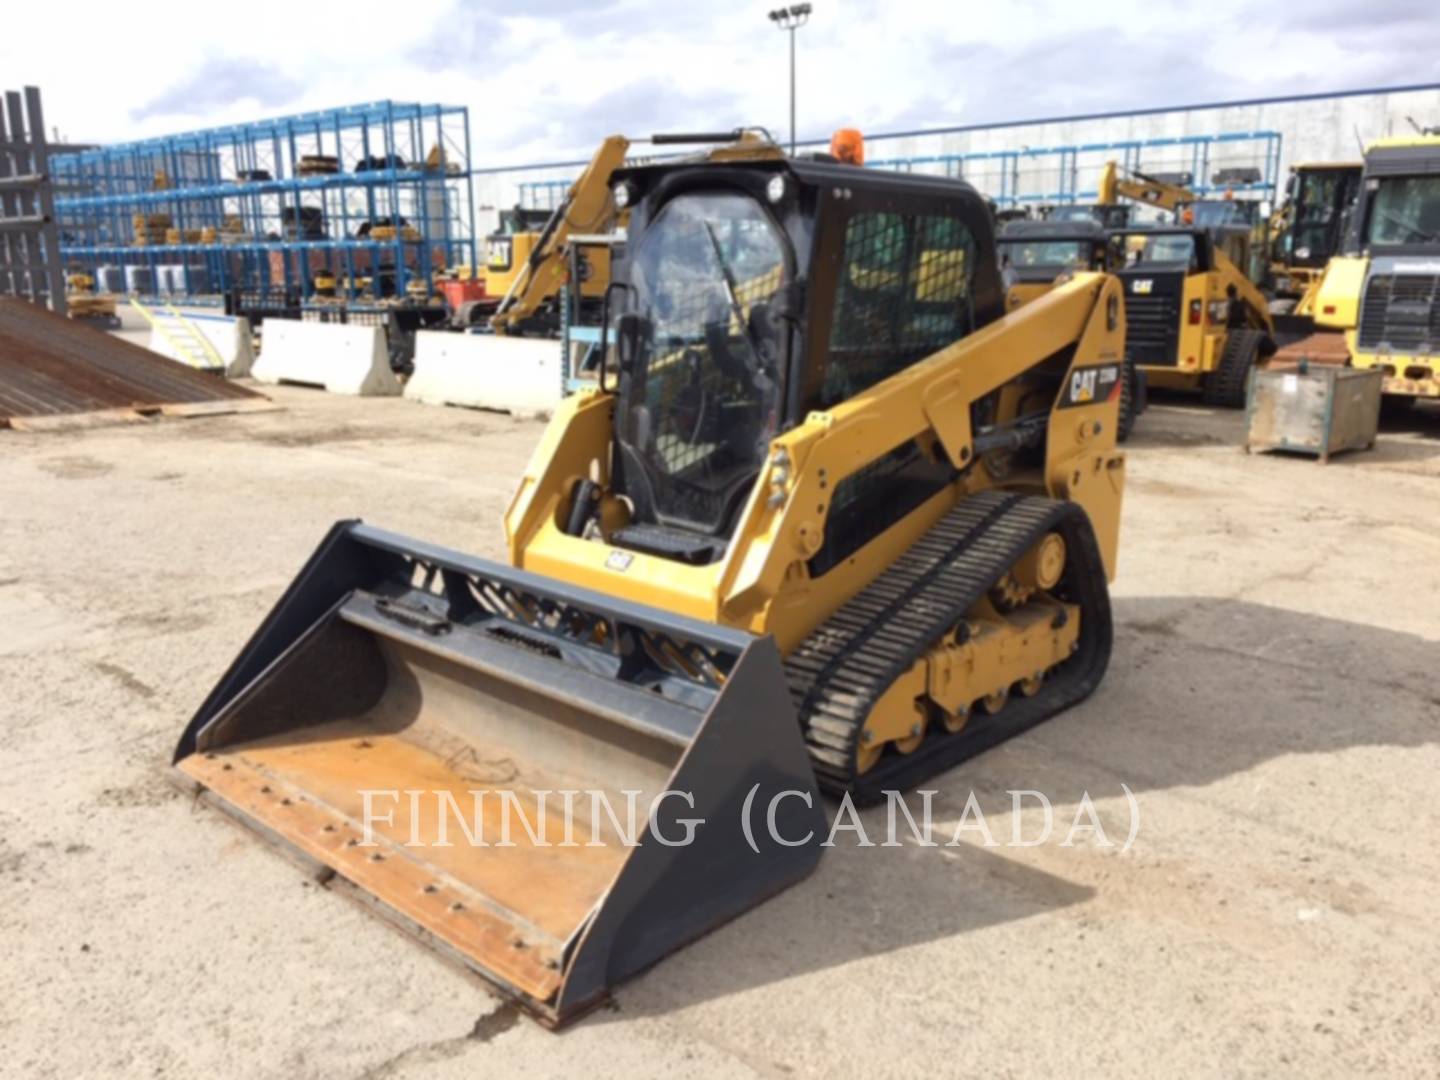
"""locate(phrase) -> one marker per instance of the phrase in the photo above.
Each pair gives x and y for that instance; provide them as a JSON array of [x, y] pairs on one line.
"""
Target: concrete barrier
[[514, 375], [229, 339], [343, 359]]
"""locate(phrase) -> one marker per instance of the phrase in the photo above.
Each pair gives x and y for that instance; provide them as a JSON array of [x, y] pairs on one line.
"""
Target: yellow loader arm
[[1239, 287], [586, 208]]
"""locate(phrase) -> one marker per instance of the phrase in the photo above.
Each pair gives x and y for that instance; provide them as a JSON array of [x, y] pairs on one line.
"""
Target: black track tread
[[1225, 386], [838, 673]]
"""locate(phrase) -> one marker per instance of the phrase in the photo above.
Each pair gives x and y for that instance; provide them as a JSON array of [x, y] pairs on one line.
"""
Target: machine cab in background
[[1035, 255]]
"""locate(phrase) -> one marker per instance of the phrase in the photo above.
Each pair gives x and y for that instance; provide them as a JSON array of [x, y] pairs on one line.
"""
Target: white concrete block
[[514, 375], [343, 359]]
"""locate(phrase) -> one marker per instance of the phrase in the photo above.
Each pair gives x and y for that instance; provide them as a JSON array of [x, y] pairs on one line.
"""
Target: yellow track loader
[[1194, 320], [832, 519]]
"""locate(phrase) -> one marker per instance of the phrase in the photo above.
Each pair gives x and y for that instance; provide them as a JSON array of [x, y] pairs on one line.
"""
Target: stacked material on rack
[[317, 165], [151, 230]]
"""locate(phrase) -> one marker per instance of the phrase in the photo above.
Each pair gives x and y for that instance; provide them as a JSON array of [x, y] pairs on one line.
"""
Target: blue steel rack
[[249, 218]]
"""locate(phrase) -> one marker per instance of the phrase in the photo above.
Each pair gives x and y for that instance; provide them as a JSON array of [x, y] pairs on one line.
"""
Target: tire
[[1396, 406], [1128, 402], [1225, 386]]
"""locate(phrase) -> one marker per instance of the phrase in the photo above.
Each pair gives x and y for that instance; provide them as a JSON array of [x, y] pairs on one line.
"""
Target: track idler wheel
[[993, 703]]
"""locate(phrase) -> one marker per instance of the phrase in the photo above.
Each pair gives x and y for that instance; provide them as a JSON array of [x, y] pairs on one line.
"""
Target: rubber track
[[838, 673], [1226, 386]]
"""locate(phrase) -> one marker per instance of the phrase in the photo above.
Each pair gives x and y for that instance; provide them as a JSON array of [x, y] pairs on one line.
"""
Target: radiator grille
[[1151, 328], [1400, 313]]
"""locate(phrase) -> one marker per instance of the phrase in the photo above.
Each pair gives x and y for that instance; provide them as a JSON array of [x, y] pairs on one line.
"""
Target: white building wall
[[1327, 128]]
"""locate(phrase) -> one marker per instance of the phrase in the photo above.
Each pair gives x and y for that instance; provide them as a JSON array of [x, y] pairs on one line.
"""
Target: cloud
[[1040, 78], [220, 82], [639, 109], [545, 80], [467, 36]]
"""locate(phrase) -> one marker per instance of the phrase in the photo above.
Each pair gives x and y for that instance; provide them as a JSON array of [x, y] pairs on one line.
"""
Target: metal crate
[[1317, 410]]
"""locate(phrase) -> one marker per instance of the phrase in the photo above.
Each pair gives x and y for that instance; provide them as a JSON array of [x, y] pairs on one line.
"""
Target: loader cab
[[1318, 201], [752, 293], [1398, 211], [1036, 255], [1109, 215], [1396, 230]]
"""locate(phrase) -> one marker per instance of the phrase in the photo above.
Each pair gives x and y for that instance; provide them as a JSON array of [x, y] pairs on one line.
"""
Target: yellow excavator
[[527, 267], [832, 520], [1377, 304], [1167, 193]]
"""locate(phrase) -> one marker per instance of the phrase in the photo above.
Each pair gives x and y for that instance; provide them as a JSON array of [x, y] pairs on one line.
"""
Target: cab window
[[904, 293]]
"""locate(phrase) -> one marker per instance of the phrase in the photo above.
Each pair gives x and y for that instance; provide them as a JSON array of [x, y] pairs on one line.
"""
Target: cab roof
[[1073, 229], [815, 172]]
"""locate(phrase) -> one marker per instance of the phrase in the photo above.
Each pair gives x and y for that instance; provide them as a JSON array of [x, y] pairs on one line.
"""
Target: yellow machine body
[[918, 503], [1380, 297], [1196, 321], [762, 585]]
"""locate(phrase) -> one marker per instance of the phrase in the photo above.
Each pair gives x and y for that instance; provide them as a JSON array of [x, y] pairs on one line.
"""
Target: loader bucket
[[412, 719]]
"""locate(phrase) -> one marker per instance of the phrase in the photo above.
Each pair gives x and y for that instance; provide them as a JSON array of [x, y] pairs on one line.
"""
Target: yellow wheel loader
[[832, 519], [1308, 228], [1378, 303], [1194, 320]]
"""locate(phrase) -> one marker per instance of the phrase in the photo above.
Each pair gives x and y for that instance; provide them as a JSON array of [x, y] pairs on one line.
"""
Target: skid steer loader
[[832, 518], [1194, 320]]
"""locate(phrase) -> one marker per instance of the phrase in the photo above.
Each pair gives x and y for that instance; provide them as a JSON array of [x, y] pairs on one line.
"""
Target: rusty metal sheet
[[54, 366], [1324, 347]]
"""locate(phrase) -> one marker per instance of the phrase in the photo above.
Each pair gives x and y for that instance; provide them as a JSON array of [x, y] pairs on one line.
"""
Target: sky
[[547, 79]]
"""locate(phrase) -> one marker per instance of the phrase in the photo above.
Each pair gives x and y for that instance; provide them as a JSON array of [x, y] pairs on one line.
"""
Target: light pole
[[791, 18]]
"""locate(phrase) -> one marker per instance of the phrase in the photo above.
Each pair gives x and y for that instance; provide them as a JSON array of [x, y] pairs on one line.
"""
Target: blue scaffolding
[[375, 198]]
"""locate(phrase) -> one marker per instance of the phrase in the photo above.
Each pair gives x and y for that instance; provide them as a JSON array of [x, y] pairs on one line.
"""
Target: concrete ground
[[1273, 703]]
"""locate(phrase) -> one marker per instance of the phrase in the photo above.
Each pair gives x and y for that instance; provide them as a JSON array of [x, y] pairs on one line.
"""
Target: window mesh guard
[[905, 293]]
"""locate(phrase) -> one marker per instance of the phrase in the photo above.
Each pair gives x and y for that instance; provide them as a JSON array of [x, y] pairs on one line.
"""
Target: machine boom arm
[[583, 209], [1140, 188]]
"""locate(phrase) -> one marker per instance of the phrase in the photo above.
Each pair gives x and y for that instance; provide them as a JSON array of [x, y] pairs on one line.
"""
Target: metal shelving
[[377, 193]]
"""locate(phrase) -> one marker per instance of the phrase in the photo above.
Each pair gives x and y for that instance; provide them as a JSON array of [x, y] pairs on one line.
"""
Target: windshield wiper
[[731, 292]]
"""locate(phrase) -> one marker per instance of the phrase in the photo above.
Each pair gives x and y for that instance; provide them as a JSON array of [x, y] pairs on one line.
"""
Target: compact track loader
[[832, 519], [1194, 320]]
